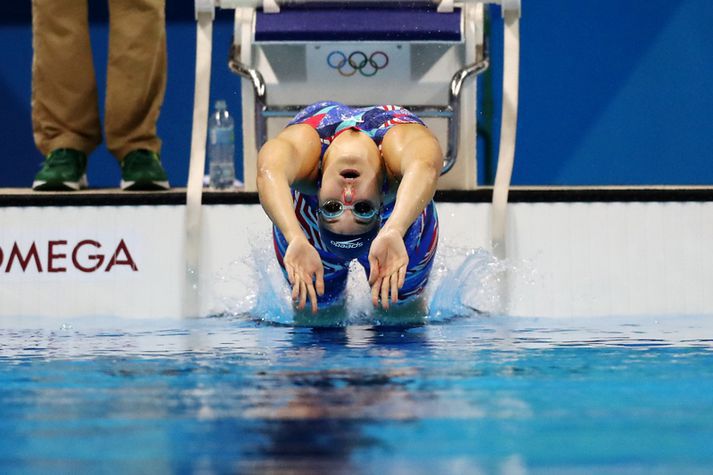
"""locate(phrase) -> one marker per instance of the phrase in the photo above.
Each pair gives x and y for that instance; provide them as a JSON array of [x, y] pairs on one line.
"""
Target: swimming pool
[[473, 395], [555, 387]]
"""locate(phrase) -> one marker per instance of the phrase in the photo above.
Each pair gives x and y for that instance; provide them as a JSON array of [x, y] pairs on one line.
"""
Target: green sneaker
[[65, 169], [142, 170]]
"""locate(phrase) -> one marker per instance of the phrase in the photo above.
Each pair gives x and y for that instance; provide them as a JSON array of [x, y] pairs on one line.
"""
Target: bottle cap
[[220, 104]]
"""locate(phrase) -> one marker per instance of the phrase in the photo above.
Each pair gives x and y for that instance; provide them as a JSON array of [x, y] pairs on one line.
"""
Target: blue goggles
[[362, 210]]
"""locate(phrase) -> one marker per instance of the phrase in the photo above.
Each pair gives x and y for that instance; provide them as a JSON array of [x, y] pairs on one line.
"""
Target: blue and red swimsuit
[[330, 119]]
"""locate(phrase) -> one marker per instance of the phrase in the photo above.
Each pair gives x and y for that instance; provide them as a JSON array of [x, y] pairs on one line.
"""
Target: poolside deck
[[518, 194]]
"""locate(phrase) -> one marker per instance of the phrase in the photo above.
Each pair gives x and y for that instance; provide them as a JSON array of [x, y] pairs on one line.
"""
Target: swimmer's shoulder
[[297, 150]]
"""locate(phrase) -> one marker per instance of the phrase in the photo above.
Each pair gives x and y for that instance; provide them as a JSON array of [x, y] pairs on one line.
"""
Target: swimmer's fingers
[[295, 288], [312, 297], [290, 274], [395, 287], [319, 280], [385, 284], [303, 295], [373, 269], [402, 276], [375, 288]]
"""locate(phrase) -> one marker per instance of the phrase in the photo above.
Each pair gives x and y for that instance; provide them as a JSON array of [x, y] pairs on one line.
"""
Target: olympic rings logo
[[357, 61]]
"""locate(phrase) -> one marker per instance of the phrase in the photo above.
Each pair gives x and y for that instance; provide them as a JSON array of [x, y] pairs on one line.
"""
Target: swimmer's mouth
[[349, 174]]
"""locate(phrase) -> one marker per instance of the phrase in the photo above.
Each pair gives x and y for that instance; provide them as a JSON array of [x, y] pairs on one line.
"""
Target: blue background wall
[[612, 92]]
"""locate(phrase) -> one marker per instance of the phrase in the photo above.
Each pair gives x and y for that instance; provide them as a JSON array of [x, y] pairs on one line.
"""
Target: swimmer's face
[[352, 174]]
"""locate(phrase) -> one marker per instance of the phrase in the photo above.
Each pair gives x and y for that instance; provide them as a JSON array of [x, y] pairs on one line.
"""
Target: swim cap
[[347, 246]]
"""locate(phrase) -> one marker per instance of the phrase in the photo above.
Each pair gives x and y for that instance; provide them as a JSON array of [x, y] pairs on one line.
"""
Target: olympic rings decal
[[357, 61]]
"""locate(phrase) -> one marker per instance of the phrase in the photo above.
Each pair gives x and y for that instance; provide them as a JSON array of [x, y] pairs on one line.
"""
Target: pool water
[[472, 395]]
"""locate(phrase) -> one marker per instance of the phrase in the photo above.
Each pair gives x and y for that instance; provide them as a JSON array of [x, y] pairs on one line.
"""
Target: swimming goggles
[[362, 210]]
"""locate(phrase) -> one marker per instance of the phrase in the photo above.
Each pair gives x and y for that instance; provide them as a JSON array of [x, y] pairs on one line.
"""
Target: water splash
[[464, 283], [254, 289], [471, 288]]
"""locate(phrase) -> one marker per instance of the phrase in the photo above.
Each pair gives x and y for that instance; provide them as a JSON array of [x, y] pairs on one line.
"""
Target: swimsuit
[[329, 120]]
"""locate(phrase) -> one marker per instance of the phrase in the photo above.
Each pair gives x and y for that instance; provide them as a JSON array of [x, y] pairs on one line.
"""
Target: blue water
[[473, 395]]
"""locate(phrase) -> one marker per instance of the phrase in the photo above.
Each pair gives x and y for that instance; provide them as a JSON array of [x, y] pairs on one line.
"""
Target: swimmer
[[341, 184]]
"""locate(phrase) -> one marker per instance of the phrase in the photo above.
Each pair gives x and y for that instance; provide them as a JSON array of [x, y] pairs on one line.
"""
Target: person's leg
[[64, 92], [65, 114], [136, 75], [136, 83]]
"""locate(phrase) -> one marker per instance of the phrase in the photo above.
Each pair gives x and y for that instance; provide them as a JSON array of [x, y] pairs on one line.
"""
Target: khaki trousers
[[65, 111]]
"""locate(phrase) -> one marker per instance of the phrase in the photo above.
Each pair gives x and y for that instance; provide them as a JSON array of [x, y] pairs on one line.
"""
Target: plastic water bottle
[[221, 147]]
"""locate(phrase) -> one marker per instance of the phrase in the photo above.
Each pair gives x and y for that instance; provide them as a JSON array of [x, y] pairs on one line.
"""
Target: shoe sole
[[144, 185], [40, 185]]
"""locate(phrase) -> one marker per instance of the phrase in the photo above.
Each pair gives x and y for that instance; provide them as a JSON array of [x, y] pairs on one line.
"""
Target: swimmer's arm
[[289, 158], [413, 156]]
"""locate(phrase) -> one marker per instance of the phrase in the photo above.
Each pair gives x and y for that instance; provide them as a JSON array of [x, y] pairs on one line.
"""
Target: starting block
[[360, 54], [419, 54]]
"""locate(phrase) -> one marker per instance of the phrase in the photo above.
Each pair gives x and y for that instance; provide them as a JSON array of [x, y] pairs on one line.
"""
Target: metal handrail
[[450, 111]]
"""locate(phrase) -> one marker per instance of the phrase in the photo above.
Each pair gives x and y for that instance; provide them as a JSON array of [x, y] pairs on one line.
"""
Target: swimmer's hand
[[388, 260], [304, 272]]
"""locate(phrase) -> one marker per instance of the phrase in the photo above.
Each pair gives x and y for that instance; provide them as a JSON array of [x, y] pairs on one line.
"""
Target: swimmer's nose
[[348, 195]]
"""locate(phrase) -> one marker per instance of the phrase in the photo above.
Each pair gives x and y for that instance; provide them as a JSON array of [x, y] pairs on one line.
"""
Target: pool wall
[[574, 253]]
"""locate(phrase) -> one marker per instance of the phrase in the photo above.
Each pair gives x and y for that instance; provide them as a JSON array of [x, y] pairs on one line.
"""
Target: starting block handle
[[454, 92], [259, 89]]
